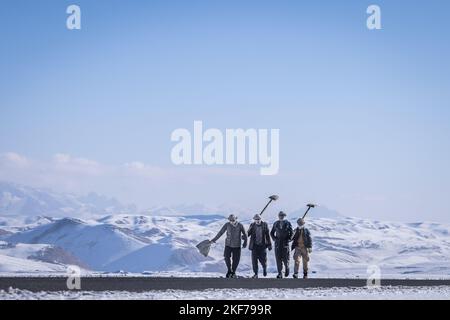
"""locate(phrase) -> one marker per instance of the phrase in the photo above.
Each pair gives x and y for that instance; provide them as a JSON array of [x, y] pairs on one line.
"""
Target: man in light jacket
[[232, 253], [302, 244]]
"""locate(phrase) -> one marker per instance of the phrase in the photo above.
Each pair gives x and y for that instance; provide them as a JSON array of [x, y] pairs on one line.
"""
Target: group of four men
[[261, 240]]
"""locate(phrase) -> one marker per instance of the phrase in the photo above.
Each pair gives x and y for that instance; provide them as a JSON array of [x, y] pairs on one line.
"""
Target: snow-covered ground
[[383, 293]]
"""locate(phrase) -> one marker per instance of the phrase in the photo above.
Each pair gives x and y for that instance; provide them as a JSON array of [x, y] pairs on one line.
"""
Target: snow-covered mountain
[[27, 258], [39, 236], [136, 243]]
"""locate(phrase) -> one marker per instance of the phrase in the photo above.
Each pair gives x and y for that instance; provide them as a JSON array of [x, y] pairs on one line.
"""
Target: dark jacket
[[234, 235], [266, 237], [281, 233], [306, 238]]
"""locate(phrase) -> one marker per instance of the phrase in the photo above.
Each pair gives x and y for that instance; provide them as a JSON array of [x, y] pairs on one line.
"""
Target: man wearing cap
[[281, 235], [259, 243], [302, 244], [232, 253]]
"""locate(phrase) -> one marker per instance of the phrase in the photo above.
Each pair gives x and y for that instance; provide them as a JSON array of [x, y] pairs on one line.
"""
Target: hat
[[232, 217], [256, 217], [300, 221], [282, 214]]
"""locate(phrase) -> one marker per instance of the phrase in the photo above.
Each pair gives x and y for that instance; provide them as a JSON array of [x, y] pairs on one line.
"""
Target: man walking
[[259, 243], [302, 244], [281, 234], [232, 253]]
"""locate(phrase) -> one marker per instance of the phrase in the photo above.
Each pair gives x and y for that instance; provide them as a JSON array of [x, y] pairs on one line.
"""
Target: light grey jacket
[[234, 235]]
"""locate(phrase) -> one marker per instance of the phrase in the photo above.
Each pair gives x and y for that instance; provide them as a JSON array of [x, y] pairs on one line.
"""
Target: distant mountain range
[[22, 200], [18, 200]]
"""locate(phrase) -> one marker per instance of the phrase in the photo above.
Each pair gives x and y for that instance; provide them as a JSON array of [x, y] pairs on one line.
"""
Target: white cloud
[[142, 169], [13, 159], [66, 163]]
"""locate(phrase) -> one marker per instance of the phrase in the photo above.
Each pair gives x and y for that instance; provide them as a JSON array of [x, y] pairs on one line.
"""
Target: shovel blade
[[203, 247]]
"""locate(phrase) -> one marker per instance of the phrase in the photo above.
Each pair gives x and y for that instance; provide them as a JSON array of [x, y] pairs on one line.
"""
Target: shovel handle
[[306, 213], [266, 206]]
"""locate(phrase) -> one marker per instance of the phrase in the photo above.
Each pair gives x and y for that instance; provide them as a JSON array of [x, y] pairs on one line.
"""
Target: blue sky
[[364, 116]]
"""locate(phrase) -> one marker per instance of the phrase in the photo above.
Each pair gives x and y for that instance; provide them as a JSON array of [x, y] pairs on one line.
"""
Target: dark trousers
[[282, 257], [259, 253], [232, 258]]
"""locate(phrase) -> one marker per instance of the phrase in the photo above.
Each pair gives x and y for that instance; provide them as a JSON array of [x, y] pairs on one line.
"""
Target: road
[[140, 284]]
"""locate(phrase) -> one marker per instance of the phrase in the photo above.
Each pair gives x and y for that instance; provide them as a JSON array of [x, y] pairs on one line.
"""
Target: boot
[[265, 272], [255, 276], [305, 275], [286, 273], [295, 275], [233, 275], [280, 276], [228, 275]]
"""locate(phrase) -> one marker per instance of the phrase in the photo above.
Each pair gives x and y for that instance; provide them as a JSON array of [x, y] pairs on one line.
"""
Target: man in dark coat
[[282, 234], [232, 253], [259, 243], [302, 244]]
